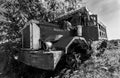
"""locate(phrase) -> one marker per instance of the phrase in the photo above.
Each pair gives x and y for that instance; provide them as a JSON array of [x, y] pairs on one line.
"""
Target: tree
[[18, 12]]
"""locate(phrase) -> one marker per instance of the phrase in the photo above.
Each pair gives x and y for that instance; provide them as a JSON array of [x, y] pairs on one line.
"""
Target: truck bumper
[[42, 60]]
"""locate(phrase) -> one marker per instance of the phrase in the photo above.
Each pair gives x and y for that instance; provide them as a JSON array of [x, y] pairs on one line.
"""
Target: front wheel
[[73, 60]]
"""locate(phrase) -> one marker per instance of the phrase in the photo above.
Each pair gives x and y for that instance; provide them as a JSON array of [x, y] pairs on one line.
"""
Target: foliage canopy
[[15, 13]]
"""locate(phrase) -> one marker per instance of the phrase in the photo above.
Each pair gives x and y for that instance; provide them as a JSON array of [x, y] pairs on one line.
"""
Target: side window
[[94, 19]]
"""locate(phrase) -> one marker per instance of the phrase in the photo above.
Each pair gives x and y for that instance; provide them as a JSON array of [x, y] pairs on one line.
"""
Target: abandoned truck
[[68, 36]]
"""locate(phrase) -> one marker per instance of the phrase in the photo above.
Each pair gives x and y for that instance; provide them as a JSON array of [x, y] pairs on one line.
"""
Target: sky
[[108, 13]]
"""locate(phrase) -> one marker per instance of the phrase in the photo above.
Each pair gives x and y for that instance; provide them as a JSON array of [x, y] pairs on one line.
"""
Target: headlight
[[48, 44]]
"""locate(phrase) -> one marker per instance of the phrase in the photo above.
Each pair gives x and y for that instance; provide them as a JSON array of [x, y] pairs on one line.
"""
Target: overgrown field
[[106, 65]]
